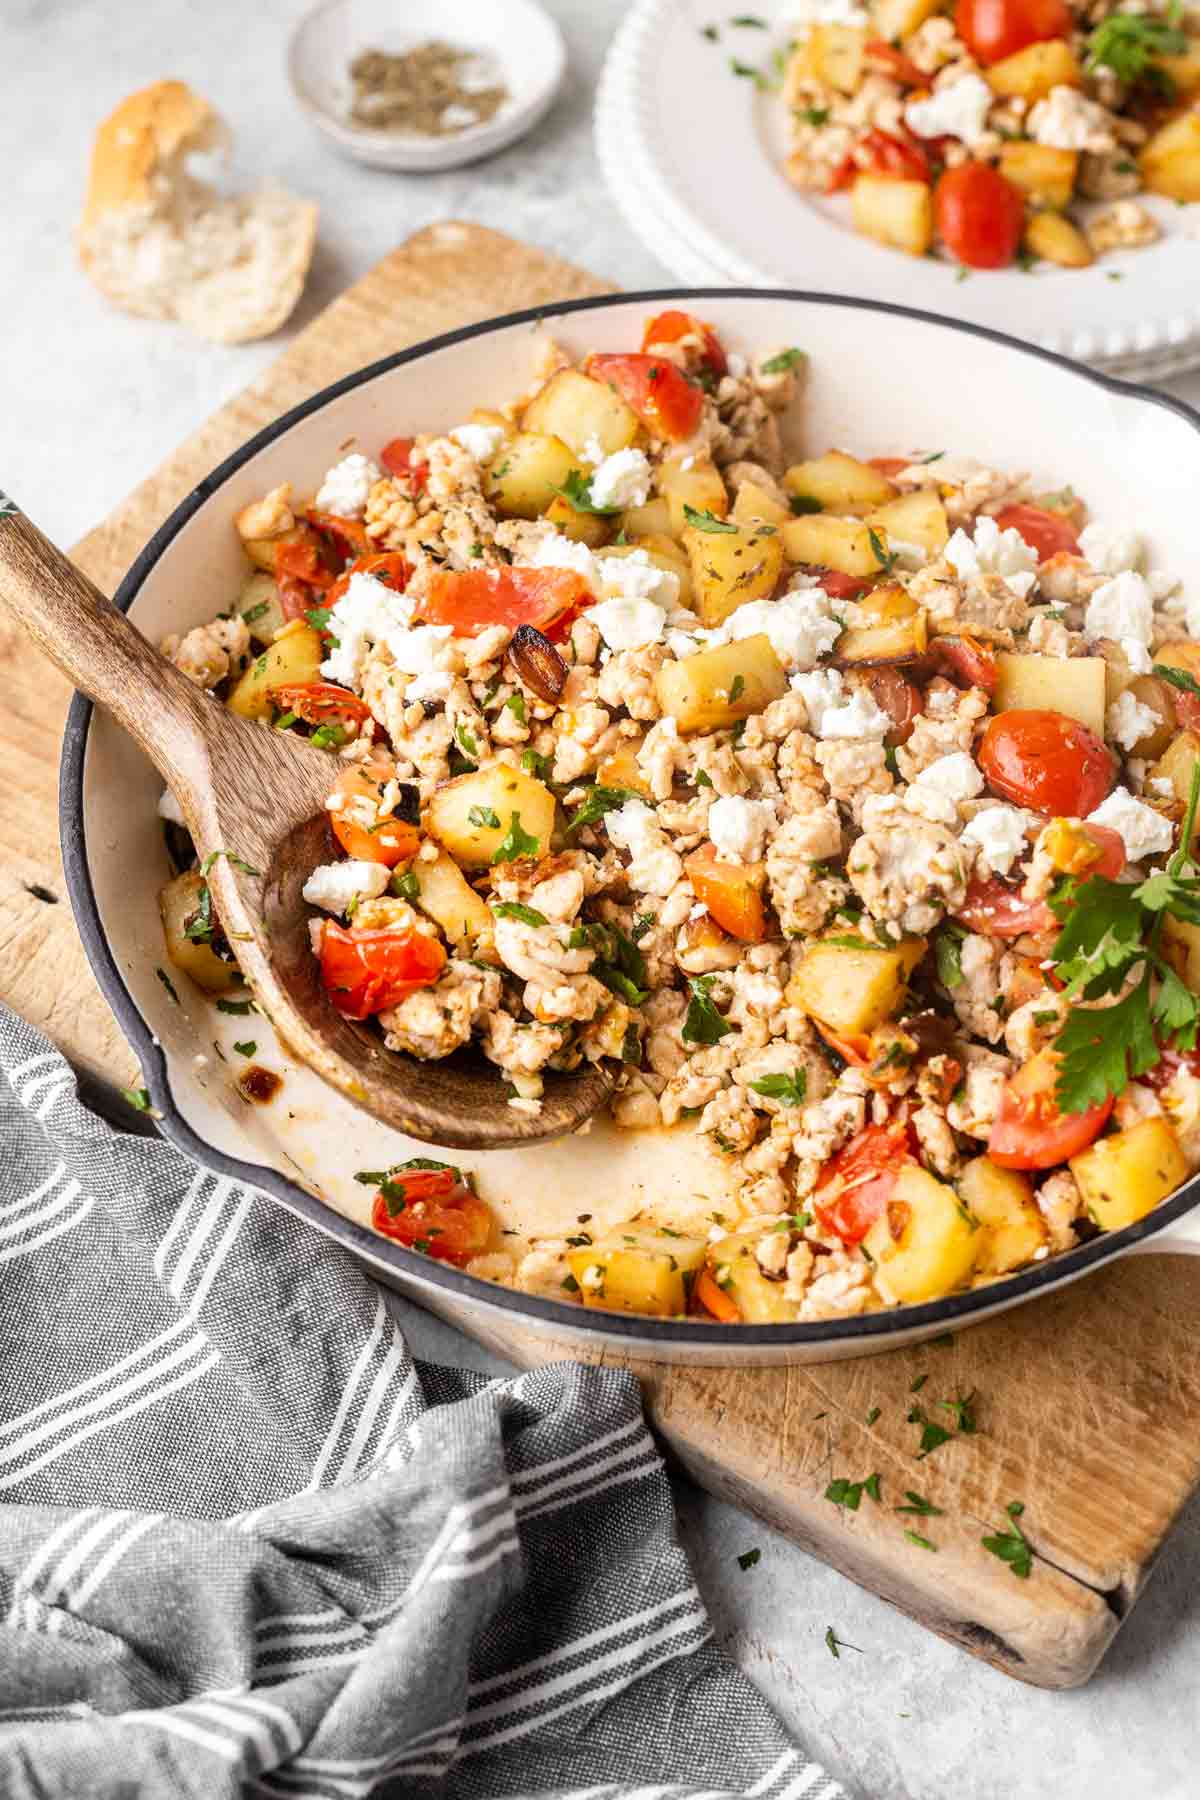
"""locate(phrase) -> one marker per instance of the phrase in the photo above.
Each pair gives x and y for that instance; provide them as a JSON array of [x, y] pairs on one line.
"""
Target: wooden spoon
[[259, 796]]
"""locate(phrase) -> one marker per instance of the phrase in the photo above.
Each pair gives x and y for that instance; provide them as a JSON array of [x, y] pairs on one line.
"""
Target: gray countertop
[[92, 400]]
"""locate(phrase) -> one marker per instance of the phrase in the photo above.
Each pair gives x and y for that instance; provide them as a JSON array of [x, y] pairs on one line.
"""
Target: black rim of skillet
[[869, 1329]]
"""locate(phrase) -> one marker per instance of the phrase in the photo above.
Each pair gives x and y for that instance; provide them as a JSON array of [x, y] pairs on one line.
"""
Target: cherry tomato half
[[471, 600], [319, 702], [432, 1210], [894, 694], [837, 585], [388, 840], [732, 892], [1046, 532], [995, 909], [893, 62], [347, 536], [1047, 762], [669, 327], [1030, 1132], [302, 556], [881, 153], [965, 660], [365, 972], [992, 29], [979, 215], [396, 458], [666, 402], [856, 1184]]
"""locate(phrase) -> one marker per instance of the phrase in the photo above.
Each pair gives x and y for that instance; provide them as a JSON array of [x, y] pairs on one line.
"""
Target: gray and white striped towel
[[248, 1546]]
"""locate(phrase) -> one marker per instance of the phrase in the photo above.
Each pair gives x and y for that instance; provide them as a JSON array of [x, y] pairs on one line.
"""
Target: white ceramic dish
[[879, 376], [518, 35], [713, 205]]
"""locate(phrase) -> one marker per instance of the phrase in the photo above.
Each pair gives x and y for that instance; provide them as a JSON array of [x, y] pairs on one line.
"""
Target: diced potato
[[720, 686], [1170, 162], [1180, 944], [1176, 766], [842, 544], [664, 553], [887, 602], [461, 811], [730, 568], [637, 1271], [752, 503], [896, 213], [699, 487], [837, 55], [1123, 1177], [444, 892], [892, 20], [1002, 1200], [177, 902], [484, 415], [852, 990], [621, 769], [1046, 174], [1031, 73], [839, 483], [1183, 71], [924, 1243], [577, 409], [1053, 237], [916, 518], [736, 1271], [1182, 654], [294, 658], [651, 520], [258, 604], [895, 640], [528, 473], [588, 528], [1074, 685]]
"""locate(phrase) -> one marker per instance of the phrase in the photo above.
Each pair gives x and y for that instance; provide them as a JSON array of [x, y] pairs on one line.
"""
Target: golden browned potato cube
[[588, 528], [1183, 71], [838, 483], [651, 520], [837, 55], [925, 1242], [1074, 685], [894, 640], [258, 604], [896, 213], [852, 990], [720, 686], [178, 902], [735, 1269], [444, 892], [699, 487], [472, 816], [916, 518], [1046, 174], [1123, 1177], [1176, 765], [527, 474], [842, 544], [1180, 944], [637, 1271], [621, 769], [1052, 236], [1170, 162], [752, 504], [730, 568], [577, 409], [1002, 1201], [1031, 73], [892, 20], [293, 659], [888, 601]]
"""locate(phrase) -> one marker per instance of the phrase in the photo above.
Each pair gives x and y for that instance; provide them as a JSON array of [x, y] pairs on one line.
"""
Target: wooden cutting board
[[1087, 1404]]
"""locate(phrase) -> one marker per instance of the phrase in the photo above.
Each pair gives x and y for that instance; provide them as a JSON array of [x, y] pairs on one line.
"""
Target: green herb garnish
[[783, 359], [515, 909], [706, 520], [703, 1023], [791, 1089], [515, 843], [1012, 1547]]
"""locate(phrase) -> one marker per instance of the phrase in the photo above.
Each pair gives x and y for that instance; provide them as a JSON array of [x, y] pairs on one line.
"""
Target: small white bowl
[[519, 35]]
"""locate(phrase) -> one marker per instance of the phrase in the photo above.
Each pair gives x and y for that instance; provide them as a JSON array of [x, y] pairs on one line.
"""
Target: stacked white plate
[[691, 152]]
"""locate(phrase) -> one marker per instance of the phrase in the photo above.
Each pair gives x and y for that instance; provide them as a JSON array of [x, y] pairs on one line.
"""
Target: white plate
[[691, 153]]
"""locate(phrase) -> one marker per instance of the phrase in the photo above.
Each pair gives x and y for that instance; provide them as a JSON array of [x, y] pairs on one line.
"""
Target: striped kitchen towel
[[248, 1546]]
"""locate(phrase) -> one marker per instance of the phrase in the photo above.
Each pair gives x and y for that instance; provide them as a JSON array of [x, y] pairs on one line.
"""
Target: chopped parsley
[[703, 1023], [483, 816], [256, 612], [329, 737], [516, 909], [515, 843], [747, 69], [963, 1409], [883, 556], [947, 950], [737, 688], [848, 1494], [641, 925], [782, 360], [576, 490], [239, 1008], [406, 886], [871, 1416], [933, 1436], [318, 617], [922, 1543], [748, 1558], [247, 1047], [600, 800], [790, 1089], [516, 706], [835, 1645], [138, 1098], [1178, 678], [168, 984], [812, 115], [534, 763], [748, 20], [706, 520], [466, 742], [1012, 1547], [917, 1503], [1130, 43]]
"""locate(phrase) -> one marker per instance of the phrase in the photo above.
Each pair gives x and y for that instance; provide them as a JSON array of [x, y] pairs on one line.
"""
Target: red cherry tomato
[[881, 153], [856, 1184], [895, 695], [1046, 532], [992, 29], [997, 910], [388, 566], [347, 536], [966, 660], [979, 215], [366, 971], [666, 402], [669, 327], [296, 597], [473, 599], [434, 1211], [318, 702], [901, 68], [837, 585], [396, 458], [303, 557], [1047, 762], [1030, 1132], [358, 793]]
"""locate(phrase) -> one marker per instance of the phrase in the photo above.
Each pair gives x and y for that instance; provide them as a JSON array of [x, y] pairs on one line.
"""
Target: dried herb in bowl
[[434, 90]]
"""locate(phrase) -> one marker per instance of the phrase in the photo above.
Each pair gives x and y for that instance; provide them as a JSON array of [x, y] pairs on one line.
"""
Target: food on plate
[[160, 242], [996, 131], [841, 803]]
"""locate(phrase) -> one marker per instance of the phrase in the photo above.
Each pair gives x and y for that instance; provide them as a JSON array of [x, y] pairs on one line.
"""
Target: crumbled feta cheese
[[738, 827], [822, 691], [1121, 609], [415, 649], [1112, 548], [799, 625], [169, 808], [908, 556], [991, 551], [622, 479], [593, 451], [635, 577], [554, 551], [434, 685], [1128, 720], [857, 717], [1068, 120], [1162, 785], [367, 613], [654, 867], [958, 110], [1000, 833], [457, 118], [936, 790], [1137, 656], [628, 624], [1144, 831], [334, 886], [802, 14], [346, 486], [735, 362], [479, 441]]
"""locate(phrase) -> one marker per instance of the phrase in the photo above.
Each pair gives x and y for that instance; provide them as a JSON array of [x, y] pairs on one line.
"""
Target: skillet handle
[[98, 649]]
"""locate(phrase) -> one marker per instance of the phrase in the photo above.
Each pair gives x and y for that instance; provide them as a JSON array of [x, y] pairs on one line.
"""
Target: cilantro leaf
[[703, 1023], [515, 843], [791, 1089], [1129, 43]]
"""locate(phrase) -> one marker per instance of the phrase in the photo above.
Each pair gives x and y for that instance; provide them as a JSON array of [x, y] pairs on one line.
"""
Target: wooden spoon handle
[[95, 645]]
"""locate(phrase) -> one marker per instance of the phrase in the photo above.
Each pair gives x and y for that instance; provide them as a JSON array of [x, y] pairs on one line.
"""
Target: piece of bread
[[162, 243]]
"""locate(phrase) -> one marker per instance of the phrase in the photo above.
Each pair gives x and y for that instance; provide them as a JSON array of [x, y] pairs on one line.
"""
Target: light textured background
[[91, 401]]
